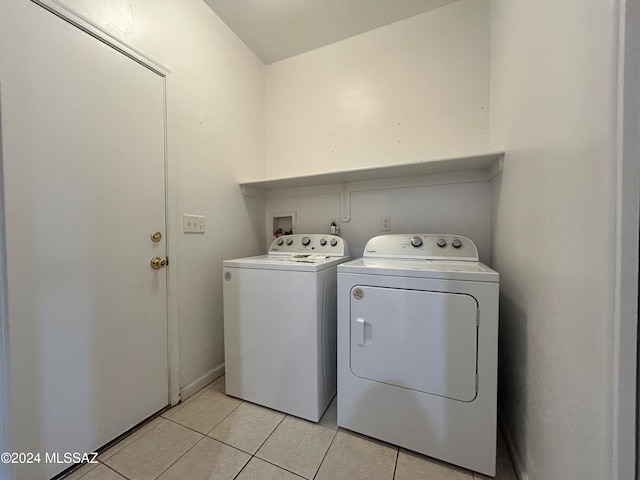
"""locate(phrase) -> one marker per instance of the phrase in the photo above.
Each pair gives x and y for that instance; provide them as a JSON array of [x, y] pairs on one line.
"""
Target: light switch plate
[[193, 223]]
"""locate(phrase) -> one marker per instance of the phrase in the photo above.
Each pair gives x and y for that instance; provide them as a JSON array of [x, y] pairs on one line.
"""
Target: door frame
[[626, 294], [627, 253], [171, 205]]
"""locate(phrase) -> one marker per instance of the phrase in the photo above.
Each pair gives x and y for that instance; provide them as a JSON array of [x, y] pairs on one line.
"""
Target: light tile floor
[[211, 436]]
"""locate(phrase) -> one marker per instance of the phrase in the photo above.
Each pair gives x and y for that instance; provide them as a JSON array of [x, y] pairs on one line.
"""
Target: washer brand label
[[358, 293], [227, 276]]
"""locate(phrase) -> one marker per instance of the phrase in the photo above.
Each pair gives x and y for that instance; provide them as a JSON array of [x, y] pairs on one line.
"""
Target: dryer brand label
[[227, 276], [358, 293]]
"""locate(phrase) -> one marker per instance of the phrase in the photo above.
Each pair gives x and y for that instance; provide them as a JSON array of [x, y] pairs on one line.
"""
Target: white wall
[[462, 209], [553, 109], [413, 90], [215, 138]]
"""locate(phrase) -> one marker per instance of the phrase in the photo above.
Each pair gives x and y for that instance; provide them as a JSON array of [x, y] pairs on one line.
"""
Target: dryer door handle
[[359, 331]]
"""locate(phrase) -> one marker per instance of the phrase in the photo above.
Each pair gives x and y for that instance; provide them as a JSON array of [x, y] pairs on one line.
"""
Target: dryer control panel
[[426, 246], [330, 245]]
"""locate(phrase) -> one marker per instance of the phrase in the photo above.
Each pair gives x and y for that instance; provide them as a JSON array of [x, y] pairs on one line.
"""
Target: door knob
[[157, 262]]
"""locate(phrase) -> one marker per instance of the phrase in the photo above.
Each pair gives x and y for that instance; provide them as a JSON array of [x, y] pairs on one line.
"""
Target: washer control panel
[[331, 245], [422, 246]]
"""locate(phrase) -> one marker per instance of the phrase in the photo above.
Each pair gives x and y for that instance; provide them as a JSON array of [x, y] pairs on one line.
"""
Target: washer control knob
[[289, 241], [306, 241], [456, 243], [280, 241], [333, 242], [416, 242], [323, 241], [441, 242]]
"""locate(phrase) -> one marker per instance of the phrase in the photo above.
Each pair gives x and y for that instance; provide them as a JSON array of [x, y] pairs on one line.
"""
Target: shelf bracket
[[345, 203], [251, 191]]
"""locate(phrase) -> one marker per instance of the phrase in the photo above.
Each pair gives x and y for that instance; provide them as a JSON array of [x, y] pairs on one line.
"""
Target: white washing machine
[[280, 324], [417, 347]]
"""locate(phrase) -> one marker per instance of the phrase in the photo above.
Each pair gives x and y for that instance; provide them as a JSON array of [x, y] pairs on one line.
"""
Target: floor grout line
[[238, 448], [204, 434], [188, 428], [251, 456], [243, 467], [226, 416], [282, 468], [113, 470], [178, 459], [133, 440], [395, 465], [269, 436], [286, 469], [326, 453]]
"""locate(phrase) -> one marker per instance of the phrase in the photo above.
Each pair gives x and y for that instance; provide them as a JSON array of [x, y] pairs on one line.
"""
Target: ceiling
[[278, 29]]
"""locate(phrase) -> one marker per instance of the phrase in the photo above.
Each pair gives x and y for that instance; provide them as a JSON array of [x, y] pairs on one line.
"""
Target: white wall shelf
[[469, 168], [461, 169]]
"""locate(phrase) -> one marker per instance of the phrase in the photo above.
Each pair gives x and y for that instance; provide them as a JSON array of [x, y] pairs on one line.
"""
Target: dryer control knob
[[306, 241], [441, 242], [333, 242], [289, 241], [280, 241], [323, 241], [416, 242], [456, 243]]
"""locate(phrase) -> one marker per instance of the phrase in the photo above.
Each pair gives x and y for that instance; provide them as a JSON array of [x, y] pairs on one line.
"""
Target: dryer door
[[424, 341]]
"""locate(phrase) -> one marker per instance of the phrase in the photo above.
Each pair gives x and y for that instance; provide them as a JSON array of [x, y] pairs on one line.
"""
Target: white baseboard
[[508, 440], [204, 380]]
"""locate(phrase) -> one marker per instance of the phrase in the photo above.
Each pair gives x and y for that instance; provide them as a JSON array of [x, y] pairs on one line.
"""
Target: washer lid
[[296, 262], [444, 269], [308, 252]]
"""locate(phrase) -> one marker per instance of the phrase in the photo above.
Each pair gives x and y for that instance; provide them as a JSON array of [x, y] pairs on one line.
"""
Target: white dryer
[[417, 347], [280, 324]]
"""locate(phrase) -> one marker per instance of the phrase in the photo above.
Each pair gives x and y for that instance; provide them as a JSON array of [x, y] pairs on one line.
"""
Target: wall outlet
[[193, 223], [385, 224]]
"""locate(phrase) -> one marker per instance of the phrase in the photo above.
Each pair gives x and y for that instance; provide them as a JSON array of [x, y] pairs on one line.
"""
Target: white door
[[424, 341], [83, 153]]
